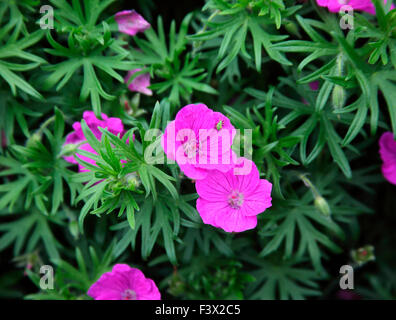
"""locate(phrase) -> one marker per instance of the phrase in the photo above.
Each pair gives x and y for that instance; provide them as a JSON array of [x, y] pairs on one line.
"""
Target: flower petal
[[130, 22], [258, 201]]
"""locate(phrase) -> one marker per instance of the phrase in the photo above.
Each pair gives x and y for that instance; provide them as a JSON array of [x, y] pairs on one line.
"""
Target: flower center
[[235, 199], [190, 148], [128, 294]]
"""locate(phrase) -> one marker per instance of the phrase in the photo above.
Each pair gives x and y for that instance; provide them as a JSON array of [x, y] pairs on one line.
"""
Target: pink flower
[[140, 83], [124, 283], [200, 140], [361, 5], [130, 22], [347, 295], [314, 85], [114, 125], [388, 155], [232, 202]]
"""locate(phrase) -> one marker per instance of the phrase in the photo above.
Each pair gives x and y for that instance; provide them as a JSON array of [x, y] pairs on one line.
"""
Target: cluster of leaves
[[177, 70], [227, 30], [90, 47], [251, 60], [70, 281], [213, 278]]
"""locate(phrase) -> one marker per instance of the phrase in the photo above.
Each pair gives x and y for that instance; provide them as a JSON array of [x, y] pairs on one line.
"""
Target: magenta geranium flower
[[77, 138], [140, 83], [199, 140], [232, 200], [124, 283], [388, 155], [360, 5], [131, 22], [314, 85]]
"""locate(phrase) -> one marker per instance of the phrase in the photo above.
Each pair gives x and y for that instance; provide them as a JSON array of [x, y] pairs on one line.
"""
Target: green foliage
[[90, 47], [345, 64], [178, 71], [14, 56], [210, 279], [39, 168], [229, 25], [282, 280], [69, 280], [27, 231]]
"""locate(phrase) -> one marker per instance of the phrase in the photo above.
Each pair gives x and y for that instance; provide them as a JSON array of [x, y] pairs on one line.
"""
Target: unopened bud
[[322, 205], [34, 138], [69, 149], [292, 28], [339, 97], [363, 255], [132, 181], [177, 286]]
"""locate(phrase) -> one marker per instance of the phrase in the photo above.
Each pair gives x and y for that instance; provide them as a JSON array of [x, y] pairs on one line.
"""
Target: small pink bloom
[[124, 283], [130, 22], [360, 5], [199, 140], [114, 125], [347, 295], [388, 155], [314, 85], [232, 202], [140, 83], [29, 266]]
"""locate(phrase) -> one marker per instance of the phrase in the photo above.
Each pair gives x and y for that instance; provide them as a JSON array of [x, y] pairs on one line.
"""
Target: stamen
[[235, 199], [190, 148], [128, 294]]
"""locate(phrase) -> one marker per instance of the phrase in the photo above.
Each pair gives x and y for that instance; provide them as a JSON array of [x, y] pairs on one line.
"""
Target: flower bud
[[132, 181], [363, 255], [177, 286], [69, 149], [33, 139], [292, 28], [338, 97], [322, 205]]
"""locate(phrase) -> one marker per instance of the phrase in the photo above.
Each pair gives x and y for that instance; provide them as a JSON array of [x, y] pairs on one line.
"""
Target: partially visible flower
[[232, 202], [130, 22], [360, 5], [388, 155], [140, 83], [363, 255], [314, 85], [347, 295], [77, 138], [200, 140], [3, 139], [124, 283]]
